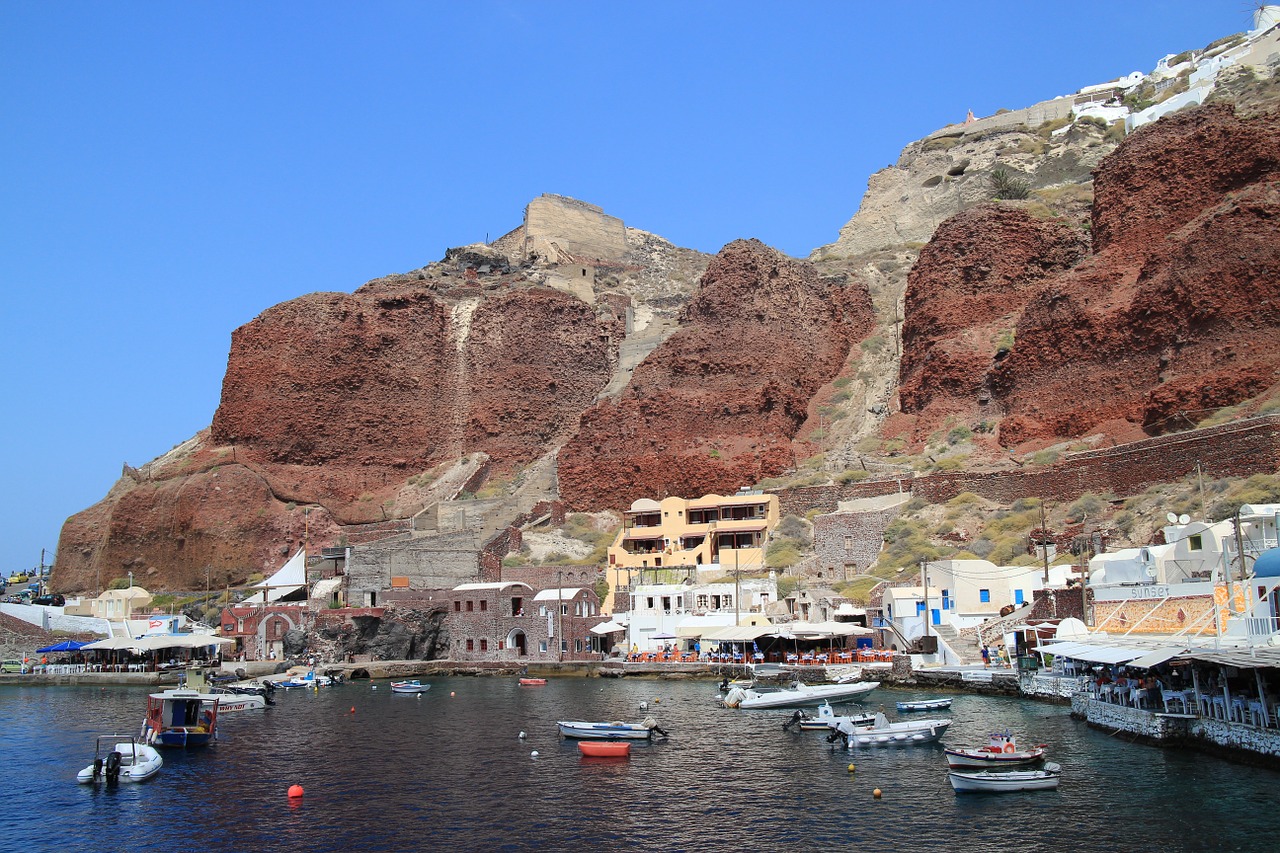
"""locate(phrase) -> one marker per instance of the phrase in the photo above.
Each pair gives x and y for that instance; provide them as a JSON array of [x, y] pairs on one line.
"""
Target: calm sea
[[449, 771]]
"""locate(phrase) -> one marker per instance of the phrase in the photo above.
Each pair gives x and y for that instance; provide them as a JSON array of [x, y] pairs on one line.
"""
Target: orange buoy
[[451, 693], [295, 791], [1008, 747], [876, 793], [353, 709]]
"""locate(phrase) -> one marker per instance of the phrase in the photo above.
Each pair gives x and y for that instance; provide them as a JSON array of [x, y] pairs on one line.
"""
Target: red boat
[[532, 682], [605, 748]]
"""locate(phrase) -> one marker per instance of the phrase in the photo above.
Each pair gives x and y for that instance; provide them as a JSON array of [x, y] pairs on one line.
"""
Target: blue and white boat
[[414, 686], [610, 731]]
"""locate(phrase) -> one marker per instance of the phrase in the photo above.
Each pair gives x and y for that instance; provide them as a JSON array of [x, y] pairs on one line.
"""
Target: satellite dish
[[1184, 518], [1173, 518]]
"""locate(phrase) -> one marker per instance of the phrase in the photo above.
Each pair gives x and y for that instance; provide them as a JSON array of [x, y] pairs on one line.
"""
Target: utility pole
[[559, 617], [924, 571], [1231, 572], [1044, 546], [737, 590]]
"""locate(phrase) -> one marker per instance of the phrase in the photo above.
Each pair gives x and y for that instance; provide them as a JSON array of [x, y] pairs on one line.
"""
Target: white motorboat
[[414, 686], [121, 758], [306, 679], [234, 700], [797, 696], [992, 781], [643, 730], [925, 705], [826, 719], [1001, 751], [881, 732]]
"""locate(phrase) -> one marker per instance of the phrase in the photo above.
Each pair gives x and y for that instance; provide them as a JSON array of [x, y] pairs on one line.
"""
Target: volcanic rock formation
[[716, 406]]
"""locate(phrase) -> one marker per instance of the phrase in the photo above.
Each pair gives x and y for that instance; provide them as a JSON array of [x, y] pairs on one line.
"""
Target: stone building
[[259, 629], [512, 621], [846, 542]]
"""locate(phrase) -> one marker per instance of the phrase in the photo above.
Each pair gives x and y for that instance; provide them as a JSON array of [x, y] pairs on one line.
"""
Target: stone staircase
[[634, 350], [963, 647]]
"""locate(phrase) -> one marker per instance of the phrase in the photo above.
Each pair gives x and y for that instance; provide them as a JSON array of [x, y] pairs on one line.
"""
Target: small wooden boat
[[121, 758], [532, 682], [925, 705], [1001, 751], [414, 686], [990, 781], [605, 748], [610, 731]]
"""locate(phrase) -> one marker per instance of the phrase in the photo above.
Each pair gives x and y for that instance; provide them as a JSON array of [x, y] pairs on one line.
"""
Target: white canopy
[[1091, 653], [160, 641], [609, 627], [291, 577], [558, 594]]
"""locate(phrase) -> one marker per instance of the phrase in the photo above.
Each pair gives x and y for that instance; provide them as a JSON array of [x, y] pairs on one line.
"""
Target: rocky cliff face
[[1171, 317], [965, 296], [717, 405]]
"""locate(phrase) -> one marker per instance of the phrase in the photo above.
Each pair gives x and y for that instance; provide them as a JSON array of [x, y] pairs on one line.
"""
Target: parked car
[[12, 666], [19, 577], [56, 600]]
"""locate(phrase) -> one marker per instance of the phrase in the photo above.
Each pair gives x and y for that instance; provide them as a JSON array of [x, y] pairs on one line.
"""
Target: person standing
[[986, 657]]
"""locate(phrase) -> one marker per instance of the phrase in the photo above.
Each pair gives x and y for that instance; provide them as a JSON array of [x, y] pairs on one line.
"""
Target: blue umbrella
[[64, 646]]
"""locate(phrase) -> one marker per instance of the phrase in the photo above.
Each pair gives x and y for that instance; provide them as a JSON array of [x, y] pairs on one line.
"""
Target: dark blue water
[[442, 771]]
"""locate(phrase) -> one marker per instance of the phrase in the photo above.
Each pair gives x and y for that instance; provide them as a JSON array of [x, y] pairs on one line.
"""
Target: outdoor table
[[1181, 696], [1258, 713]]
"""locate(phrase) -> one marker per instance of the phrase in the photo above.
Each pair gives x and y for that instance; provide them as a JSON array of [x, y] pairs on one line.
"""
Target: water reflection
[[431, 771]]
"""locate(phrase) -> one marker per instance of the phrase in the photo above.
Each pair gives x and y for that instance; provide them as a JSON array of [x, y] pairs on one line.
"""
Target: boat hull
[[927, 705], [605, 748], [990, 782], [409, 687], [604, 731], [979, 759], [532, 682], [895, 734]]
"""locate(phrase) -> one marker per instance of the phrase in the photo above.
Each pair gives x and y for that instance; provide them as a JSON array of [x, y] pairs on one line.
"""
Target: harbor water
[[448, 770]]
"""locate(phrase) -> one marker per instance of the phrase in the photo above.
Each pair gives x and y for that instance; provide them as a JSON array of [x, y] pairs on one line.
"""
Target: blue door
[[936, 616]]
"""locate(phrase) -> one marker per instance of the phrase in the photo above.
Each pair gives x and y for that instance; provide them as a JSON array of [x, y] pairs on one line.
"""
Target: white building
[[659, 611]]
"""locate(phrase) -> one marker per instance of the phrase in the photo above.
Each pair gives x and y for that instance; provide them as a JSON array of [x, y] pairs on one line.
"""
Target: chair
[[1169, 696]]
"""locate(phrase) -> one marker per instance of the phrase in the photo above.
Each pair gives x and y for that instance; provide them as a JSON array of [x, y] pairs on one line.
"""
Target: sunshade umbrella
[[64, 646], [664, 636]]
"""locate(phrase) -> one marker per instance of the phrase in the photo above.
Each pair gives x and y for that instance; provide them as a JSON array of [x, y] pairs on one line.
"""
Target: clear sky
[[170, 170]]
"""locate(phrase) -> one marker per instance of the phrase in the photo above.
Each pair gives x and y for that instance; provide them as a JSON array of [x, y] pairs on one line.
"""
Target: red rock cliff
[[716, 406]]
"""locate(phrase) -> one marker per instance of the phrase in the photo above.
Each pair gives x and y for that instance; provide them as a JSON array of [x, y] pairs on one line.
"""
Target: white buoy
[[375, 687], [644, 706], [533, 754], [523, 736]]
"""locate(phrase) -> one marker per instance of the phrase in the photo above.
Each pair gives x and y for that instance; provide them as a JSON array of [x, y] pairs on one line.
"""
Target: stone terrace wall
[[863, 532], [436, 562], [1238, 449]]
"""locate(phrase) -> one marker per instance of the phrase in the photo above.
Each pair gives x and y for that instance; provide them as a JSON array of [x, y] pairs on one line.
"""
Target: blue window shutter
[[984, 595]]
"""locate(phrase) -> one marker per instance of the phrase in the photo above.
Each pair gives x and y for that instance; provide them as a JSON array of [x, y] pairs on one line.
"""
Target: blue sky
[[170, 170]]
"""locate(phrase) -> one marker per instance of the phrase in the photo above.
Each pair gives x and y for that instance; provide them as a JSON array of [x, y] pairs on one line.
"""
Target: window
[[484, 645], [919, 607], [471, 645], [542, 646], [457, 607], [471, 605], [484, 605], [702, 601], [1196, 542], [727, 601], [984, 595], [650, 600], [848, 543], [1017, 597]]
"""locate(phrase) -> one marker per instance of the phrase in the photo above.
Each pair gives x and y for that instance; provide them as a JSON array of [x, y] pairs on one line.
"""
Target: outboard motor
[[795, 718], [97, 769], [113, 767]]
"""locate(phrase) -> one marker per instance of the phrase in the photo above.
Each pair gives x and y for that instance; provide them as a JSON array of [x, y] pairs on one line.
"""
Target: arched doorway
[[515, 640]]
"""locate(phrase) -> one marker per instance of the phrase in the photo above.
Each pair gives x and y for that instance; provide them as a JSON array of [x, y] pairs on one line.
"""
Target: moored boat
[[992, 781], [414, 686], [181, 717], [610, 731], [605, 748], [1001, 751], [881, 732], [925, 705], [797, 696], [120, 758], [826, 719]]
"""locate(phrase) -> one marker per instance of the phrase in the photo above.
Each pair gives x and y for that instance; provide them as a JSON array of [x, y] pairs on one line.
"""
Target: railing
[[1260, 627]]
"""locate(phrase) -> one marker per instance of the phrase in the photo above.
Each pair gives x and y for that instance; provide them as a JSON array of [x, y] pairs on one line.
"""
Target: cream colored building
[[713, 533], [117, 604]]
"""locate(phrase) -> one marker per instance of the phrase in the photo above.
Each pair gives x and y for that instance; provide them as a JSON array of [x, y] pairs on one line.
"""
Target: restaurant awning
[[1157, 657], [159, 641], [1091, 652], [609, 627], [737, 633]]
